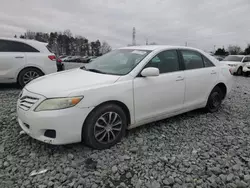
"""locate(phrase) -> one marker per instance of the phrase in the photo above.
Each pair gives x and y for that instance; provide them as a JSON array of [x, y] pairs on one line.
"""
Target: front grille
[[26, 102]]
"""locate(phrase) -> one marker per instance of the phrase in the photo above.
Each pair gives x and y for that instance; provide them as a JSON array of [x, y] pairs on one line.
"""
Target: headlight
[[58, 103], [233, 65]]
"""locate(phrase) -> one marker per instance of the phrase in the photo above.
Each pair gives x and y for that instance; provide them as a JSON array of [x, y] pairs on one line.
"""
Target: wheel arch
[[33, 67], [223, 88], [118, 103]]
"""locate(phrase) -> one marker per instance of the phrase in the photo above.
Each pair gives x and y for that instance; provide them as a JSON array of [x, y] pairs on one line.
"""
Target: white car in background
[[246, 68], [236, 62], [23, 60], [120, 90]]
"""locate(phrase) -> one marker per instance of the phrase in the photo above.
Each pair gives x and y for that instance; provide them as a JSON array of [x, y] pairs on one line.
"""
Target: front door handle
[[180, 78], [213, 72], [18, 57]]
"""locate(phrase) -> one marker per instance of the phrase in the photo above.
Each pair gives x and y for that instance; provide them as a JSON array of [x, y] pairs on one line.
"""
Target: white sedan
[[123, 89]]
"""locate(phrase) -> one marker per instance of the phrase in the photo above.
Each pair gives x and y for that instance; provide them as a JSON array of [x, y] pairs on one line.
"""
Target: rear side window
[[207, 62], [192, 59], [13, 46]]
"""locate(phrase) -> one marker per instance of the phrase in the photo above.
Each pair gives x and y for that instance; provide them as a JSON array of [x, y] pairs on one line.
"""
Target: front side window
[[192, 59], [166, 61], [13, 46], [117, 62]]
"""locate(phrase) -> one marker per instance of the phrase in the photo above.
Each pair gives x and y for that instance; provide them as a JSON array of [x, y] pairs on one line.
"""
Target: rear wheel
[[239, 71], [27, 75], [104, 127], [214, 100]]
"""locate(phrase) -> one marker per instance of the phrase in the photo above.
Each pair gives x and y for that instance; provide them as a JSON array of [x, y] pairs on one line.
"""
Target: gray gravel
[[195, 149]]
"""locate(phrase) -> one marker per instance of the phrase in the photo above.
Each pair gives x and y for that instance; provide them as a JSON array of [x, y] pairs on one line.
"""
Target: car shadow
[[9, 86]]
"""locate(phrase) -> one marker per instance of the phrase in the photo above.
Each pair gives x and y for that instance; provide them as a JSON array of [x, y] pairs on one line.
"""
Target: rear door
[[200, 76], [12, 59]]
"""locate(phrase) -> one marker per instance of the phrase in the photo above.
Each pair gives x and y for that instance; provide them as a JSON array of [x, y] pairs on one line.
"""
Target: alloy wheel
[[215, 100], [107, 127], [29, 76]]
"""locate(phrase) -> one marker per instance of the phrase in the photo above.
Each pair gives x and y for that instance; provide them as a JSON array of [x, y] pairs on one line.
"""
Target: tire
[[95, 132], [214, 100], [245, 74], [239, 71], [23, 77]]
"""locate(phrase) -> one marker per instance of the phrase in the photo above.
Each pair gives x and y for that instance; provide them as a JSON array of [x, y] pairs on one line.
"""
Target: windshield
[[233, 58], [117, 62]]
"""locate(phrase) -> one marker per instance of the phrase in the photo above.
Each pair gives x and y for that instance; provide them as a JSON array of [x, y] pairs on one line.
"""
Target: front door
[[159, 95]]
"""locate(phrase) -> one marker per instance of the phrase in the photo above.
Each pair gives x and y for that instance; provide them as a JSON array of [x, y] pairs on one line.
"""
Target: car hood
[[61, 84], [231, 62]]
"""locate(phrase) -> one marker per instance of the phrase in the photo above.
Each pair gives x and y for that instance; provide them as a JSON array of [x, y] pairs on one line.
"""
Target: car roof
[[158, 47], [41, 46]]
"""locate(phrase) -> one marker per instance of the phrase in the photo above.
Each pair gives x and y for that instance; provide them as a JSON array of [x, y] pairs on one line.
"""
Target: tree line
[[233, 50], [64, 43]]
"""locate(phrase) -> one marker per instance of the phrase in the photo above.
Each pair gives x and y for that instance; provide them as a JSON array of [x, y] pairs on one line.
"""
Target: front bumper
[[67, 123], [233, 69]]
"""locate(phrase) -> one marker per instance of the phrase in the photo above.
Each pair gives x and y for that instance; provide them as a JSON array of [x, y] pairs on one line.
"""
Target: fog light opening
[[50, 133]]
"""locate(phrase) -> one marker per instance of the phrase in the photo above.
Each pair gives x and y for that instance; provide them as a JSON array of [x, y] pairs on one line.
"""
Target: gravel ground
[[195, 149]]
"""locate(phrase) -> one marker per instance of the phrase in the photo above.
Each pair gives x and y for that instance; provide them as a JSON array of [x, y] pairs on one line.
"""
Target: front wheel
[[239, 71], [214, 100], [104, 127]]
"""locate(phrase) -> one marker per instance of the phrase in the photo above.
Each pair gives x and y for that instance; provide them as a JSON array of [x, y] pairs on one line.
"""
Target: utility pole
[[186, 44], [133, 37], [147, 41]]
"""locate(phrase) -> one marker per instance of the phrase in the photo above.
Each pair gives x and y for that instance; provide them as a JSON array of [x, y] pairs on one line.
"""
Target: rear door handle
[[213, 72], [18, 57], [180, 78]]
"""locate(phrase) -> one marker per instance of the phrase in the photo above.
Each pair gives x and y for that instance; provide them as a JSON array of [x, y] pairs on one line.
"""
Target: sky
[[201, 23]]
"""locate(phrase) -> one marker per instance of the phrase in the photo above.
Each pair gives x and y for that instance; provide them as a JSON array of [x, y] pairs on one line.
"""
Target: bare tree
[[30, 35], [234, 50], [68, 33], [105, 48]]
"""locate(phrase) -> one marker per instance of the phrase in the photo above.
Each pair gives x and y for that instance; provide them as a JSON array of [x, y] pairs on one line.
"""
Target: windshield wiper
[[95, 70]]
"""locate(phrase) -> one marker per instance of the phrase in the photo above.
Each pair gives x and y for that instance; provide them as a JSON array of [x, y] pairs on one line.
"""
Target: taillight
[[230, 70], [59, 60], [52, 57]]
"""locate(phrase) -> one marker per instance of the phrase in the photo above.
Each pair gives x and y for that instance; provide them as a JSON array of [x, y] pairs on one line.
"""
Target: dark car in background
[[218, 57]]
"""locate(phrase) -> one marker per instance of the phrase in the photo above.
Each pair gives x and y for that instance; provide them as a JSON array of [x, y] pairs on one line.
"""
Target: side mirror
[[150, 71]]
